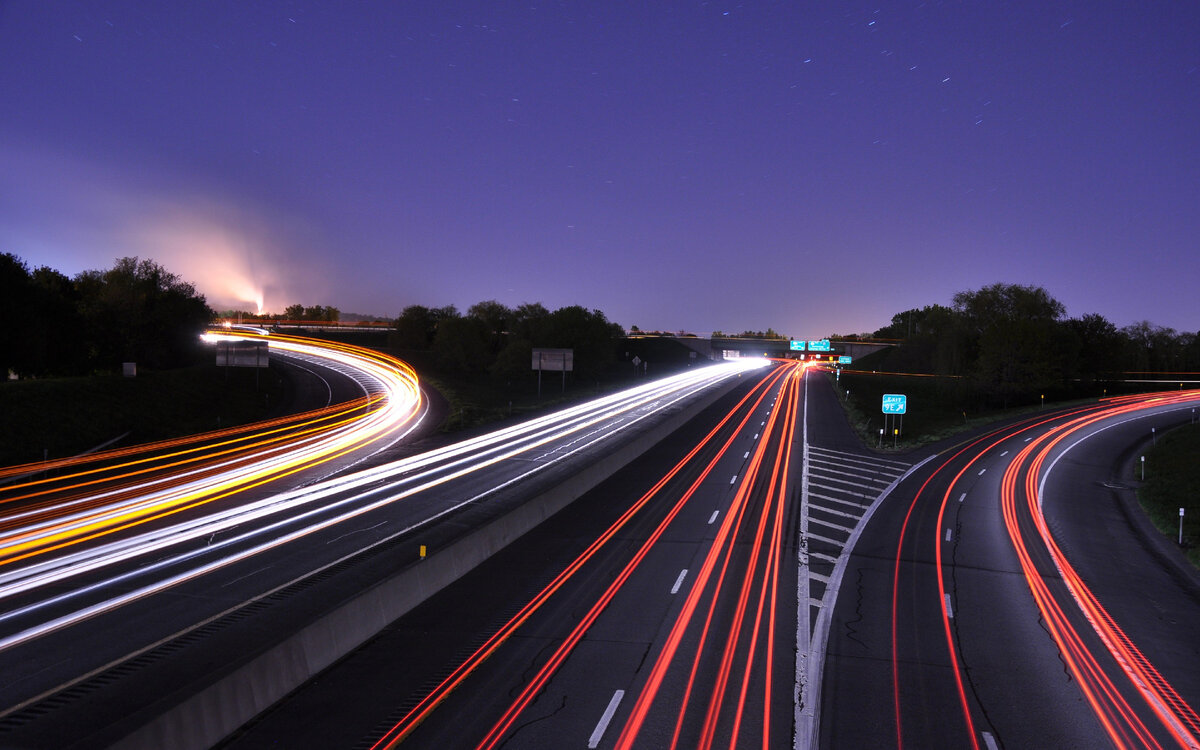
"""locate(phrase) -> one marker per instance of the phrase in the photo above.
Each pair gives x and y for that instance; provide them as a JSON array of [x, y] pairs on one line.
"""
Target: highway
[[474, 668], [661, 605], [986, 609], [197, 584], [734, 569]]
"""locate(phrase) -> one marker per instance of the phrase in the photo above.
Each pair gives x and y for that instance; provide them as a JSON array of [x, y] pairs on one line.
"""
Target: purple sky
[[810, 166]]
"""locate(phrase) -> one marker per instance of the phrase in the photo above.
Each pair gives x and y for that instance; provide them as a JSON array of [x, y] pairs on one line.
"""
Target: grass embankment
[[941, 407], [938, 408], [1173, 482], [475, 399], [58, 417]]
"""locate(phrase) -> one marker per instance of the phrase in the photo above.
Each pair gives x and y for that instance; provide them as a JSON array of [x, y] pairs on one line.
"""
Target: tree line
[[1012, 342], [135, 311], [306, 313], [497, 340]]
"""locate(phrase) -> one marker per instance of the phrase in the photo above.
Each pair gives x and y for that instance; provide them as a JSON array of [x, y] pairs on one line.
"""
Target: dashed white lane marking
[[598, 732], [756, 436], [949, 609], [679, 581], [947, 535], [713, 517], [1002, 455], [962, 497], [1028, 439], [990, 741], [981, 471], [731, 481], [747, 455]]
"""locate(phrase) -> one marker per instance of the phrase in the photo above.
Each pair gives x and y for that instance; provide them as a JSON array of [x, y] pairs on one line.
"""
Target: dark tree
[[495, 319], [16, 301], [137, 311], [461, 343], [1098, 347], [58, 346], [417, 326], [1020, 341]]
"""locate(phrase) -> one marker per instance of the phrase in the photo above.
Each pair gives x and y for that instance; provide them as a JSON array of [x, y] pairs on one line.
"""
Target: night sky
[[809, 166]]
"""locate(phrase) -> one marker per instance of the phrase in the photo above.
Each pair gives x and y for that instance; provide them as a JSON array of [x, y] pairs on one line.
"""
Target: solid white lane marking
[[830, 524], [598, 732], [731, 481], [679, 581], [981, 471], [832, 512], [855, 458], [1002, 455], [949, 609], [713, 517], [827, 499], [990, 741], [825, 539], [947, 535], [962, 497]]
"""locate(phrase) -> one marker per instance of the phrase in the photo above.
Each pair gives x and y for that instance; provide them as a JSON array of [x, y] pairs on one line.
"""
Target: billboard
[[554, 360], [242, 354]]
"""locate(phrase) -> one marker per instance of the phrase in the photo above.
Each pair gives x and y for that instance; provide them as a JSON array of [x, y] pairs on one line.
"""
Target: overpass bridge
[[717, 346]]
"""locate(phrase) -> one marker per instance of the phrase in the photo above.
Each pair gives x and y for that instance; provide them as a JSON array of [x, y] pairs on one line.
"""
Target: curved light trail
[[1106, 665], [740, 577], [426, 705], [142, 564], [148, 484], [1025, 480]]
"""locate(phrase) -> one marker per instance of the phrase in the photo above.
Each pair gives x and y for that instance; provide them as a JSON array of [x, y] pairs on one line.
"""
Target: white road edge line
[[598, 732], [679, 581], [807, 725]]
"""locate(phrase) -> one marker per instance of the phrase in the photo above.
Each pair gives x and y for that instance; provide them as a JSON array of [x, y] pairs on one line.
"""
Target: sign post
[[1181, 527], [553, 360], [894, 404]]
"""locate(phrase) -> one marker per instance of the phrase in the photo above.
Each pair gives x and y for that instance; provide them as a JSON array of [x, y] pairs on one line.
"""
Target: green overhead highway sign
[[845, 360], [819, 346], [796, 346]]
